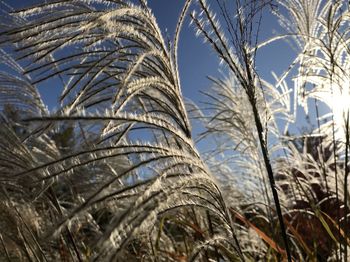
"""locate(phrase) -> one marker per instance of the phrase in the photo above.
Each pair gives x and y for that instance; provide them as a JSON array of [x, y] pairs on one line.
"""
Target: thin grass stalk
[[68, 250], [251, 95], [5, 249], [230, 223], [322, 161], [43, 257], [268, 166], [152, 248], [269, 211], [211, 231], [338, 256], [69, 233], [30, 251], [347, 142], [72, 240], [240, 42], [177, 37], [31, 234]]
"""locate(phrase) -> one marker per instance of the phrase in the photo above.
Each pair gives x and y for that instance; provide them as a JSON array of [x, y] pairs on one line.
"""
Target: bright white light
[[336, 95], [341, 105]]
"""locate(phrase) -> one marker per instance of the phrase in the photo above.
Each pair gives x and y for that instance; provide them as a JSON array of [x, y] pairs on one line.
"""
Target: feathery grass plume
[[314, 208], [236, 47], [227, 117], [116, 158], [321, 30]]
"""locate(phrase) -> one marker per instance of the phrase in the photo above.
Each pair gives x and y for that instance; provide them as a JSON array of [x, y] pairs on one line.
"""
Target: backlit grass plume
[[115, 163]]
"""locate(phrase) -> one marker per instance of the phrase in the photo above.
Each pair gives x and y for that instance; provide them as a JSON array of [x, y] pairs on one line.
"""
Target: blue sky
[[196, 60]]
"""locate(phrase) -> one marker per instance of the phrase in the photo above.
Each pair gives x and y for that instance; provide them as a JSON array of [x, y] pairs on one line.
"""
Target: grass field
[[113, 172]]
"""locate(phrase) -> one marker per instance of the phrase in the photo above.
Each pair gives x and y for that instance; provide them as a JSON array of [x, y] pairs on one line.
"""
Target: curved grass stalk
[[120, 84], [241, 63]]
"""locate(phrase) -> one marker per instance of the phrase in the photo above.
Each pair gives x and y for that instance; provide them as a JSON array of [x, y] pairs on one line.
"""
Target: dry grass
[[113, 173]]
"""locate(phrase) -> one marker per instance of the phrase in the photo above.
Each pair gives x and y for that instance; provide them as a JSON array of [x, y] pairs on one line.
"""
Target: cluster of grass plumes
[[307, 218], [113, 174]]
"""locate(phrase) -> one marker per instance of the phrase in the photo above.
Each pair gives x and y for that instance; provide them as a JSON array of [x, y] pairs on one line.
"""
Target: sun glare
[[337, 99]]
